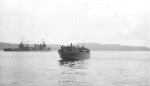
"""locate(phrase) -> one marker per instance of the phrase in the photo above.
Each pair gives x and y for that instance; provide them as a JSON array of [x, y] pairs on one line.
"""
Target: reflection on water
[[73, 72]]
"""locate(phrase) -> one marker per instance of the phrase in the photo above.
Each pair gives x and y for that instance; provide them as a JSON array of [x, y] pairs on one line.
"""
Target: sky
[[125, 22]]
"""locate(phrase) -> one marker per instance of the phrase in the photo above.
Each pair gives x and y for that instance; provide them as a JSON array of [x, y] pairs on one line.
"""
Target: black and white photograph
[[74, 42]]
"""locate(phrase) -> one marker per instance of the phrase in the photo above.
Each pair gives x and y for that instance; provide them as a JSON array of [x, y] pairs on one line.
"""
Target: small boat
[[74, 53]]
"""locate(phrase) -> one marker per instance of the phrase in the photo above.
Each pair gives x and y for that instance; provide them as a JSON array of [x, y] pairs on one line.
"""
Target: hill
[[91, 46], [113, 47]]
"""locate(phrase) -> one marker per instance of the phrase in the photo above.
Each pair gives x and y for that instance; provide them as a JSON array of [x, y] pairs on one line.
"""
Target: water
[[105, 68]]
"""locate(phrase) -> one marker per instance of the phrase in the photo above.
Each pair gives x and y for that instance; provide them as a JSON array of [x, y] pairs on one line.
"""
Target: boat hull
[[9, 50], [74, 55]]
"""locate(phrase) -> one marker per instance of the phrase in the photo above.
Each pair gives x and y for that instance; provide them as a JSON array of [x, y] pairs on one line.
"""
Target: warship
[[74, 53], [22, 47]]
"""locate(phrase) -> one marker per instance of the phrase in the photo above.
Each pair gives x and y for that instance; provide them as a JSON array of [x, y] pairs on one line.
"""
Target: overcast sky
[[124, 22]]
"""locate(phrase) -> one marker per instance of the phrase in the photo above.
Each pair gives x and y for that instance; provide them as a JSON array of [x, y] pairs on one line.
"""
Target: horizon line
[[85, 43]]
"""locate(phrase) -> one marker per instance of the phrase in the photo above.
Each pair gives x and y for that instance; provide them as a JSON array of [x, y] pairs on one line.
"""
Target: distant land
[[91, 46]]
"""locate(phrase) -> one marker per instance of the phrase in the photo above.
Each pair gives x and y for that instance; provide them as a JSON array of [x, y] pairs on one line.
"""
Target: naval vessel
[[23, 47]]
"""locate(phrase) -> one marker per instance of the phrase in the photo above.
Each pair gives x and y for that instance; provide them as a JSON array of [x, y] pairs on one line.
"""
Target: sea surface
[[104, 68]]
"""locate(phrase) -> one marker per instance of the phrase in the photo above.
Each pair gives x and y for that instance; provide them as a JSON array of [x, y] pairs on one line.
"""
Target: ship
[[23, 47], [74, 53]]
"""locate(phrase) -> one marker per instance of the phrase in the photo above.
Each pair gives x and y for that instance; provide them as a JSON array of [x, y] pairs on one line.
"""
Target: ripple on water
[[102, 69]]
